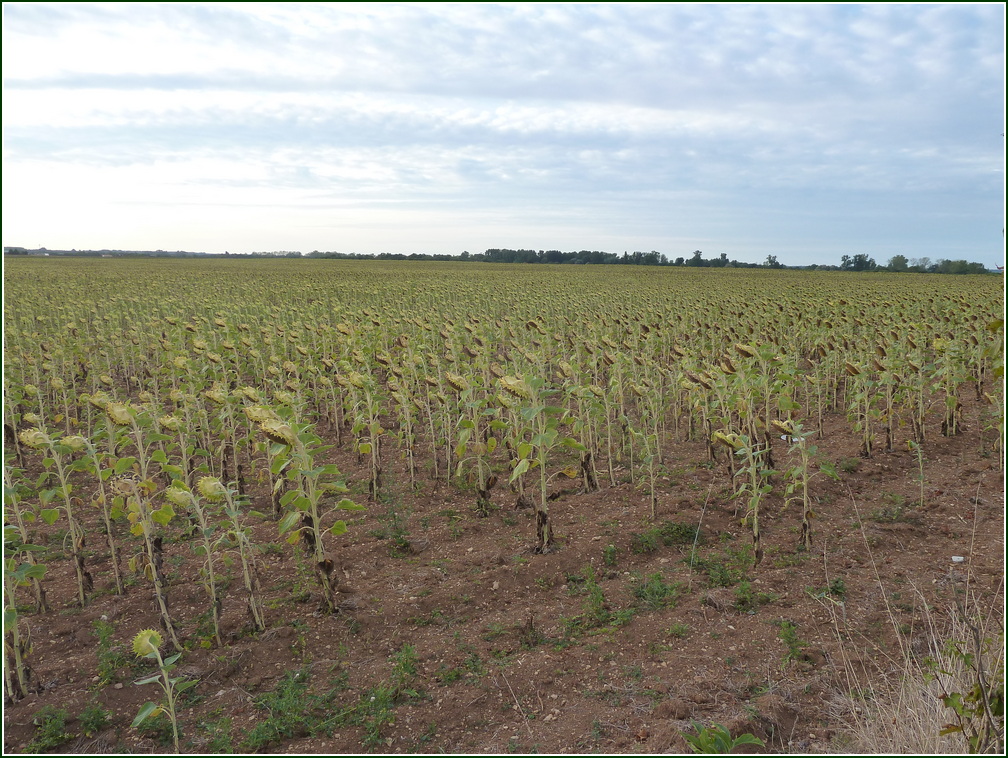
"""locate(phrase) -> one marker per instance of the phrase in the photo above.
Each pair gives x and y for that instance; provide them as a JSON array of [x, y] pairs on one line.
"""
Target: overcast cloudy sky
[[803, 131]]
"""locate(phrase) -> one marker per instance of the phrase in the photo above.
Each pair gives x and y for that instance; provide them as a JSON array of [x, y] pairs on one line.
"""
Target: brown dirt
[[465, 591]]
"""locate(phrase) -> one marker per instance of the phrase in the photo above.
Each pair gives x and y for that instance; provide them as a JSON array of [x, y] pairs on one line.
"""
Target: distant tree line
[[900, 263], [857, 262]]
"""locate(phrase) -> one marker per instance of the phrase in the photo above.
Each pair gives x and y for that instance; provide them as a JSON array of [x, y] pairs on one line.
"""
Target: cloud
[[636, 113]]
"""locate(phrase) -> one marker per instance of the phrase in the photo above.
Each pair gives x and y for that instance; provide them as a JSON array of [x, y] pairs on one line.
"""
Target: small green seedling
[[717, 739]]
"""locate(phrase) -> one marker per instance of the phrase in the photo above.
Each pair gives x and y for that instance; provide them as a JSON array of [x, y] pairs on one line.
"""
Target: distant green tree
[[859, 262], [697, 259], [898, 263]]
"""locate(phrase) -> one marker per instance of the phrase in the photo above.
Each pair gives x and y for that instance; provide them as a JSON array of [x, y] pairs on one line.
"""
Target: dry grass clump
[[943, 694], [907, 713]]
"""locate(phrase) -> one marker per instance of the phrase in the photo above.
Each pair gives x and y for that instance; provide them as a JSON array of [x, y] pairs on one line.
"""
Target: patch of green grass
[[727, 569], [893, 498], [655, 592], [849, 465], [428, 734], [473, 663], [780, 559], [93, 719], [609, 555], [892, 514], [494, 631], [677, 533], [447, 675], [432, 618], [747, 600], [394, 530], [158, 728], [272, 548], [529, 636], [836, 588], [679, 630], [667, 533], [596, 613], [635, 672], [50, 729], [789, 636], [217, 736], [111, 657], [375, 709], [645, 542], [293, 712]]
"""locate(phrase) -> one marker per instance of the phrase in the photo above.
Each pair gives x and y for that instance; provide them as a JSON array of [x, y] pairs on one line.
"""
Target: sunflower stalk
[[58, 454], [298, 445], [215, 490], [16, 643]]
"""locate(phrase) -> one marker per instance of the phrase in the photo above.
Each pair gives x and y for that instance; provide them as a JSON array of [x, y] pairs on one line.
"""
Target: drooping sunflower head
[[216, 394], [171, 423], [98, 400], [516, 387], [34, 438], [146, 642], [119, 414], [176, 495], [259, 413], [456, 381], [784, 427], [278, 432], [284, 398], [745, 350], [249, 393], [75, 442], [729, 440], [211, 488]]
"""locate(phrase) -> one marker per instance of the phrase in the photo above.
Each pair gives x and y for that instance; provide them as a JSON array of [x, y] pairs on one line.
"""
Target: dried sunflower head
[[98, 400], [75, 442], [34, 438], [211, 488], [456, 381], [259, 413], [784, 427], [119, 414], [516, 386], [278, 432]]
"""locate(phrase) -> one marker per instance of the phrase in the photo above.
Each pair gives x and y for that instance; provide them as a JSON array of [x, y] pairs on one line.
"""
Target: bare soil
[[502, 663]]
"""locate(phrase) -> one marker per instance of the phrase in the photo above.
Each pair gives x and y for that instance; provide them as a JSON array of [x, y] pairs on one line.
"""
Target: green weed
[[50, 729], [789, 636], [292, 712], [656, 593], [93, 719]]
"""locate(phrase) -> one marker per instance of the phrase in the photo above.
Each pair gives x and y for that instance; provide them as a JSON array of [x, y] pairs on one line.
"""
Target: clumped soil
[[453, 636]]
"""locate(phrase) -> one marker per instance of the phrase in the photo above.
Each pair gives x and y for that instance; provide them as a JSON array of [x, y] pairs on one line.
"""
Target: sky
[[802, 131]]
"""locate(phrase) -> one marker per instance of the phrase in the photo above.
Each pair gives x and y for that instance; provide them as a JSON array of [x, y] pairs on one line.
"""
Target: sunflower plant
[[147, 644]]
